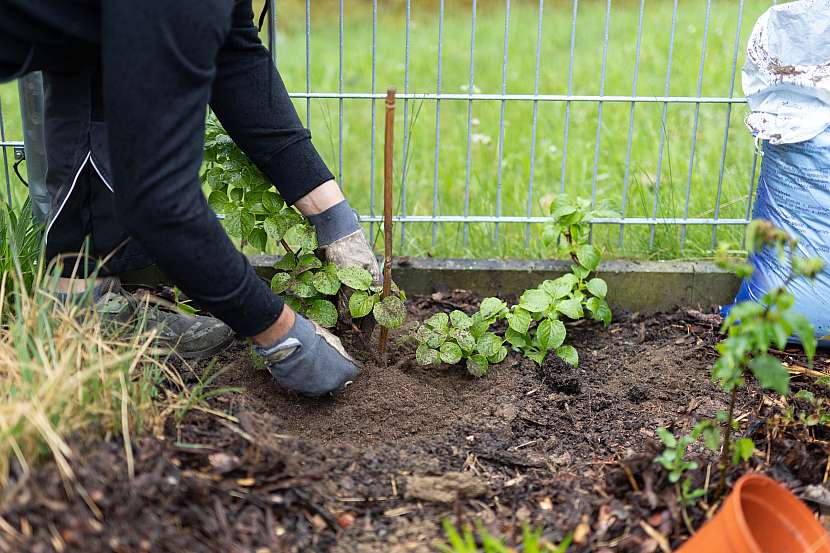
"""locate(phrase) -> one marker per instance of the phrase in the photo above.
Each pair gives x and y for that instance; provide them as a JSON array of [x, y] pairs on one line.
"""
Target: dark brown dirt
[[561, 448]]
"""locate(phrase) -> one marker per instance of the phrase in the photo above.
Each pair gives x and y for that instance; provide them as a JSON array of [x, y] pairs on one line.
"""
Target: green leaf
[[492, 307], [273, 229], [561, 206], [667, 438], [258, 239], [499, 356], [516, 339], [597, 287], [356, 278], [237, 194], [390, 312], [535, 355], [588, 256], [550, 334], [361, 303], [560, 287], [308, 262], [806, 333], [464, 339], [294, 303], [326, 283], [233, 223], [460, 320], [302, 289], [771, 373], [280, 282], [580, 272], [519, 320], [425, 355], [430, 336], [287, 262], [301, 237], [450, 353], [571, 308], [599, 310], [568, 354], [535, 301], [322, 311], [480, 325], [711, 437], [743, 450], [219, 201], [272, 202], [477, 365], [489, 344], [440, 322]]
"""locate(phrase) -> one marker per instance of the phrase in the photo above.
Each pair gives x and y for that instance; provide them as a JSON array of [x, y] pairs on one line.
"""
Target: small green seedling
[[455, 337], [467, 542], [753, 328]]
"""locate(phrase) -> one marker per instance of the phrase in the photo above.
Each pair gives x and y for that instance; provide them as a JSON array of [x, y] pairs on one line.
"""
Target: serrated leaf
[[771, 373], [439, 321], [361, 304], [667, 438], [356, 278], [460, 320], [219, 201], [588, 256], [425, 355], [477, 365], [550, 334], [464, 339], [711, 438], [308, 262], [489, 344], [499, 356], [743, 450], [302, 289], [301, 237], [258, 239], [598, 287], [390, 312], [233, 223], [568, 354], [280, 282], [571, 308], [326, 283], [535, 301], [519, 320], [287, 262], [450, 353], [322, 311], [272, 202], [491, 307], [560, 287], [516, 339]]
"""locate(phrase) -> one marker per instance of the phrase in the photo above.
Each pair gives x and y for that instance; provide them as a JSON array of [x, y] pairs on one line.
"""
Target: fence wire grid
[[504, 103]]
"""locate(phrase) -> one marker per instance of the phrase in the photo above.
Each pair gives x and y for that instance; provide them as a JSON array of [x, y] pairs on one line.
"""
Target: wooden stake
[[389, 148]]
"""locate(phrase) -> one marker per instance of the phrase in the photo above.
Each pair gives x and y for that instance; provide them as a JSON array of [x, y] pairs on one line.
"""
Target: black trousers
[[161, 64]]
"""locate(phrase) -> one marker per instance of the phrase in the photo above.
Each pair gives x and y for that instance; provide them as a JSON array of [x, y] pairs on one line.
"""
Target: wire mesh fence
[[505, 103]]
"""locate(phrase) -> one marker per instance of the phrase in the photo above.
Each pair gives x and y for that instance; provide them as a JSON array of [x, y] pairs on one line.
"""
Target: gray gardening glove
[[342, 242], [309, 360]]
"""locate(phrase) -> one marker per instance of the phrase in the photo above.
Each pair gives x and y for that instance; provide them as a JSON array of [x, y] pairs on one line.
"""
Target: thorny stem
[[727, 443]]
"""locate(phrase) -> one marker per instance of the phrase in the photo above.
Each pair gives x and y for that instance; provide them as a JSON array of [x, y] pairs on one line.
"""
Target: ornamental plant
[[535, 326], [752, 329], [254, 213]]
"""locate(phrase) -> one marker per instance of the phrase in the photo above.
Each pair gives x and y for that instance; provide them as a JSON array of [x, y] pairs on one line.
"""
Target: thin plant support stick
[[389, 148]]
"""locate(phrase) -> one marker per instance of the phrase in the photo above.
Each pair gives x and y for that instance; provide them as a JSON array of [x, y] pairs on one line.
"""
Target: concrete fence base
[[644, 286]]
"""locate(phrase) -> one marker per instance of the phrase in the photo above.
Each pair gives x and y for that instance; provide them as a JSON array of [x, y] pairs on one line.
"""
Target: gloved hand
[[309, 360], [342, 242]]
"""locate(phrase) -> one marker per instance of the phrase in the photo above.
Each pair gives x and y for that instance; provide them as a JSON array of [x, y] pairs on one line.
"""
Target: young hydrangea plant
[[262, 220], [450, 338]]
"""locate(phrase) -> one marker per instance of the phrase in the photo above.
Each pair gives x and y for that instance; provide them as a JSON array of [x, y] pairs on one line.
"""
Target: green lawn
[[548, 179]]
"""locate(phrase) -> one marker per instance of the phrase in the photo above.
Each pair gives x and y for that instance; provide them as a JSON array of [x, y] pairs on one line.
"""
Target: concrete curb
[[644, 286]]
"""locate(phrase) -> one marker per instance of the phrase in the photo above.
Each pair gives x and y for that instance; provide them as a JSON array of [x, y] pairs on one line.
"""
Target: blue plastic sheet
[[794, 194]]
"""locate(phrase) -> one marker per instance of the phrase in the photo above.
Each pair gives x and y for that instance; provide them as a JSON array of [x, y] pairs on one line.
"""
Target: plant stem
[[285, 246], [727, 443]]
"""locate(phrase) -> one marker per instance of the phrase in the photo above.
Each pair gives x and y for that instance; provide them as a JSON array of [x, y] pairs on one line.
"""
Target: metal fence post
[[30, 89]]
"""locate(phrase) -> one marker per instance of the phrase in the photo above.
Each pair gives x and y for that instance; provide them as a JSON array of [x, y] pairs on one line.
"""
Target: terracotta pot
[[760, 516]]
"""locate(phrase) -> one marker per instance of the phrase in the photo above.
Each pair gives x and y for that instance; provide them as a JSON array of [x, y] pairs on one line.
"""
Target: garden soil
[[379, 467]]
